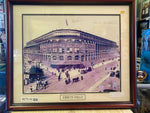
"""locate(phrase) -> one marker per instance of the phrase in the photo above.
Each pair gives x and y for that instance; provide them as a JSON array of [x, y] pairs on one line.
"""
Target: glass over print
[[68, 56], [62, 55]]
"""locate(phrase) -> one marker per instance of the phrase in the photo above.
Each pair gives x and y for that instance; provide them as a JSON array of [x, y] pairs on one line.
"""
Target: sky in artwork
[[105, 26]]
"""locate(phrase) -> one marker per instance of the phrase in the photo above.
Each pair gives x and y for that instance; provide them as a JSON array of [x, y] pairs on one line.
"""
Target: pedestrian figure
[[45, 84], [31, 89], [42, 84], [115, 85], [81, 77], [67, 81], [92, 64], [59, 77], [67, 75], [37, 85]]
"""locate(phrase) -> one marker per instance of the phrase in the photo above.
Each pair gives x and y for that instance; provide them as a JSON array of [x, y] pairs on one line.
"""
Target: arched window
[[49, 58], [69, 58], [82, 58], [61, 57], [77, 57], [54, 58], [86, 58], [89, 57]]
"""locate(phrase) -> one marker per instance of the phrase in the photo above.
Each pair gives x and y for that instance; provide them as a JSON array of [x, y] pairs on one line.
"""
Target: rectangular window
[[76, 50], [54, 50], [60, 50], [69, 50]]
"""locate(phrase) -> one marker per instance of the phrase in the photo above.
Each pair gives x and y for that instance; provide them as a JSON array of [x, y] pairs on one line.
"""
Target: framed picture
[[71, 54]]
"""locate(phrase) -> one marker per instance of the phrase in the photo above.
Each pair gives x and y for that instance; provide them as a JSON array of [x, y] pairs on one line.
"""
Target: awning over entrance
[[68, 66]]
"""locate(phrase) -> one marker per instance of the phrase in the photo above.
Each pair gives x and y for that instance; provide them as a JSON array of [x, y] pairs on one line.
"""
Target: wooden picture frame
[[94, 38]]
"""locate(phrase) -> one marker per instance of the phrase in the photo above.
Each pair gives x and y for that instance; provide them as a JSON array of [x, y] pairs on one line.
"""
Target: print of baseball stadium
[[68, 60]]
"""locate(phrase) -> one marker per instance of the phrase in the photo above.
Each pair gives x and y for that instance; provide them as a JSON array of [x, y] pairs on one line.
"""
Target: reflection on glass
[[2, 52]]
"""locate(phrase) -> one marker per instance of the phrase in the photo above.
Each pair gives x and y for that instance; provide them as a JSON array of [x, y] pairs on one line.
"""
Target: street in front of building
[[104, 77]]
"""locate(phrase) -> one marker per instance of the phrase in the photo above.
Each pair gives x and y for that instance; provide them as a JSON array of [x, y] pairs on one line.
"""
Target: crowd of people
[[39, 85], [72, 74]]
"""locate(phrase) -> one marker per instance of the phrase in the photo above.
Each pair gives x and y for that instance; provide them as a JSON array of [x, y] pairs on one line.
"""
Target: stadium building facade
[[68, 47]]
